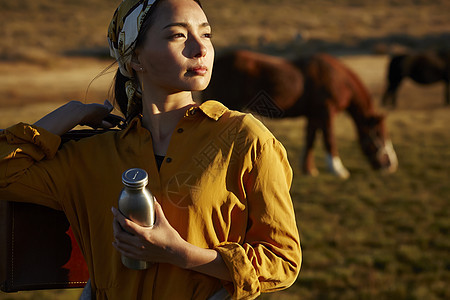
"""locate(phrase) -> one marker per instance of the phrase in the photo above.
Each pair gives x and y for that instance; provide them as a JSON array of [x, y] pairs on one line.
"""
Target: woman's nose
[[202, 50], [198, 48]]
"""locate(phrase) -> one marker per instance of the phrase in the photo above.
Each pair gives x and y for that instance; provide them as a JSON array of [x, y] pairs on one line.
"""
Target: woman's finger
[[114, 120], [160, 218], [118, 229], [128, 245], [127, 225], [106, 124], [120, 235], [108, 105], [128, 250]]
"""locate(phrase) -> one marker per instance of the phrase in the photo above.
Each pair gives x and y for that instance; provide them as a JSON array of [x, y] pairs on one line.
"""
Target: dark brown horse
[[424, 68], [317, 87]]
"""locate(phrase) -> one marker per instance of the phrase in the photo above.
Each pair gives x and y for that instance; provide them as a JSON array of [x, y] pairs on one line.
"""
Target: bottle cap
[[135, 178]]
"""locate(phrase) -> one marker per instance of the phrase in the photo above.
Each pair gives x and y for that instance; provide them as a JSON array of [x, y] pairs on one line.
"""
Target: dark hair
[[120, 80]]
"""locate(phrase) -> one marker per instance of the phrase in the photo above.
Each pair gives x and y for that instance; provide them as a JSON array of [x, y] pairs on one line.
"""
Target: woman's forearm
[[73, 113], [206, 261], [63, 118]]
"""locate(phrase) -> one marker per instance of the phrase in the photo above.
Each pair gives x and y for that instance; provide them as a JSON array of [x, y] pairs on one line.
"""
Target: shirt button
[[168, 160], [180, 130]]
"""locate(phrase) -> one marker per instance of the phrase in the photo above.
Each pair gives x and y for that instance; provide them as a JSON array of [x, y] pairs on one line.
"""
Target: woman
[[224, 216]]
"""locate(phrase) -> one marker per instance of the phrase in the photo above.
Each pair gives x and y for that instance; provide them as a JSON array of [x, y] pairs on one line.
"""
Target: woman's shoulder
[[236, 122]]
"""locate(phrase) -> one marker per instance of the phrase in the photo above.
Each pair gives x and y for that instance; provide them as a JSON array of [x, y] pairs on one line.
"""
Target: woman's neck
[[161, 116]]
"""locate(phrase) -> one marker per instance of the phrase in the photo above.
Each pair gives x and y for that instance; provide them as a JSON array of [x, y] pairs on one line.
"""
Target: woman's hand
[[94, 114], [160, 243]]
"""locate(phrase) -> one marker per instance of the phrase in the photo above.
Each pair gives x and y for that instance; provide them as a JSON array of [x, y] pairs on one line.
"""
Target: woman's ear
[[135, 63]]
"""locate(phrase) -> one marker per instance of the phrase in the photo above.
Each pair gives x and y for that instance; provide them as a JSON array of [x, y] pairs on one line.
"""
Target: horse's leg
[[390, 95], [447, 92], [308, 165], [394, 78], [334, 162], [387, 97]]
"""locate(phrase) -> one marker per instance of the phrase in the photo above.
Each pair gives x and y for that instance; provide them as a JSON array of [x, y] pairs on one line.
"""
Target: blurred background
[[372, 236]]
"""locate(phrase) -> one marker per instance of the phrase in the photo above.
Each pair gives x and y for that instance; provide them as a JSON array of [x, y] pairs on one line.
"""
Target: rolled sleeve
[[21, 146], [245, 283], [41, 142]]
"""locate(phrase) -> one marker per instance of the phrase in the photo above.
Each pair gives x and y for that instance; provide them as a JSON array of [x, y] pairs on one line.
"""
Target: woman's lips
[[197, 71]]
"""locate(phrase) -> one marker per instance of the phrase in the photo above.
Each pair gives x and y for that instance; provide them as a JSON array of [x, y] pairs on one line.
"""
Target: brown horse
[[317, 87], [424, 68]]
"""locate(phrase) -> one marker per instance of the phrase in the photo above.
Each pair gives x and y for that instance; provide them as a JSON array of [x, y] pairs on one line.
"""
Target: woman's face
[[177, 53]]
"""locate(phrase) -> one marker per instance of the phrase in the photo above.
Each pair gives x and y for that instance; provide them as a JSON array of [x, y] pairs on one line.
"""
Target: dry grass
[[370, 237], [37, 30], [375, 236], [68, 79]]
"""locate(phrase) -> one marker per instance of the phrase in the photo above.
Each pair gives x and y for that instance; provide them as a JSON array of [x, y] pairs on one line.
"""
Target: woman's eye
[[177, 35], [208, 35]]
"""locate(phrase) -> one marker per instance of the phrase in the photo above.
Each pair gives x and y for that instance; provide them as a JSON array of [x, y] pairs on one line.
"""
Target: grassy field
[[369, 237], [375, 236]]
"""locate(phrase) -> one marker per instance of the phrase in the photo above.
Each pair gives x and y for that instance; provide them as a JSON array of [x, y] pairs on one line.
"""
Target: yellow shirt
[[224, 184]]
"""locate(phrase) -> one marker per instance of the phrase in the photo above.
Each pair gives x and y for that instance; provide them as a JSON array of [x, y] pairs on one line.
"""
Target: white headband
[[124, 29]]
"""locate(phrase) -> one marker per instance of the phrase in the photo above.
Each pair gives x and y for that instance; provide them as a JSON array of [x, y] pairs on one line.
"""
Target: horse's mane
[[361, 93]]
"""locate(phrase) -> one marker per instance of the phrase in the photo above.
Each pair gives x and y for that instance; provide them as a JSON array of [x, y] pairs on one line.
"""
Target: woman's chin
[[198, 85]]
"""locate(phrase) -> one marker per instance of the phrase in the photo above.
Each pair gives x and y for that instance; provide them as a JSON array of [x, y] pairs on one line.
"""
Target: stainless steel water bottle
[[137, 204]]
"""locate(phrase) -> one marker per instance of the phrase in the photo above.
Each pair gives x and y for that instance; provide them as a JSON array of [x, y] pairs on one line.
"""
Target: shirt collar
[[212, 109], [135, 122]]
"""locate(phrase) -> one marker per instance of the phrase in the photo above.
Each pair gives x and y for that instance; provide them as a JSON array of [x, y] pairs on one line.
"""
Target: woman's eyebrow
[[185, 25]]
